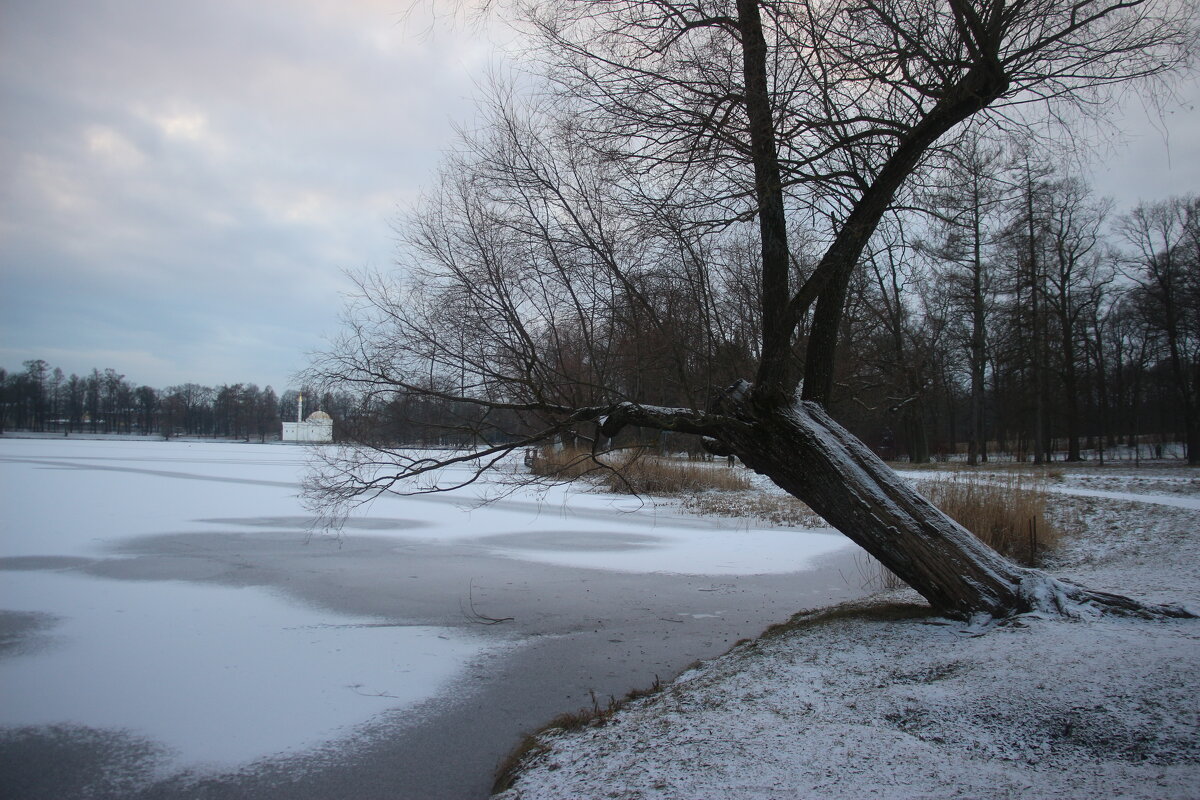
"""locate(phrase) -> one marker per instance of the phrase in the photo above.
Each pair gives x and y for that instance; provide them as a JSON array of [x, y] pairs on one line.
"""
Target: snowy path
[[1172, 500]]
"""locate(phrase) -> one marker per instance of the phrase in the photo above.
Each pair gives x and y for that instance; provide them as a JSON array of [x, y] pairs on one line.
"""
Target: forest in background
[[1002, 309], [1044, 324], [1043, 327], [43, 399]]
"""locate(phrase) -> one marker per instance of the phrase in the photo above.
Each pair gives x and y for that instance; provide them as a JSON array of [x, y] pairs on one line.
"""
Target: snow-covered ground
[[222, 674], [883, 700]]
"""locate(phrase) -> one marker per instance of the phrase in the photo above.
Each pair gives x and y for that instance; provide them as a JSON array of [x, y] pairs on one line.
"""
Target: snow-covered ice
[[224, 674], [216, 674], [220, 675]]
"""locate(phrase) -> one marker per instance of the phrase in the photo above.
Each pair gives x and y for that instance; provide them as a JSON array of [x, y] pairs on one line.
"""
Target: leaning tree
[[582, 267]]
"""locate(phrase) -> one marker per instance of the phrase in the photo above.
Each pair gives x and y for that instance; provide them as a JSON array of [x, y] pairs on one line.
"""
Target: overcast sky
[[182, 184]]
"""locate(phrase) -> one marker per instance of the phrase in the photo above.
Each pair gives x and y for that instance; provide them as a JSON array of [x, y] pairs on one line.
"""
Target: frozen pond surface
[[214, 674], [171, 593], [219, 675]]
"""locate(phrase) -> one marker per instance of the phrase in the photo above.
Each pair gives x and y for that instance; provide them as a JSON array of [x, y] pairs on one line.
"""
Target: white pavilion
[[318, 427]]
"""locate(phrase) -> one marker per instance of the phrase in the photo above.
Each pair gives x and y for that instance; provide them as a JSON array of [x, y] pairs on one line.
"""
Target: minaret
[[300, 407]]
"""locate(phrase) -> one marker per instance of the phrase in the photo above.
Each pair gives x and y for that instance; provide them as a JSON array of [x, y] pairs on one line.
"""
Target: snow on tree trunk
[[809, 455]]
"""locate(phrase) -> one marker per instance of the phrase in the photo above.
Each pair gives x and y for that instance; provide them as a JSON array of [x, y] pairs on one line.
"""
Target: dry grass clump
[[561, 463], [777, 509], [1008, 514], [644, 474], [636, 472], [597, 715]]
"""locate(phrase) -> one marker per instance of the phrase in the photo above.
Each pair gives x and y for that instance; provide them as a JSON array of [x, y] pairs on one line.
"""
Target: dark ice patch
[[60, 761], [23, 632], [159, 568], [21, 563], [314, 523], [572, 541]]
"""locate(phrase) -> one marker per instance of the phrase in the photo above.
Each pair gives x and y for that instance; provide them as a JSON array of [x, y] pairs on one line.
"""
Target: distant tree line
[[42, 398], [1042, 327]]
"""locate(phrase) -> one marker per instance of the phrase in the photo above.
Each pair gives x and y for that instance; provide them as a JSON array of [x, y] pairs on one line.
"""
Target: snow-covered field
[[882, 700], [221, 673]]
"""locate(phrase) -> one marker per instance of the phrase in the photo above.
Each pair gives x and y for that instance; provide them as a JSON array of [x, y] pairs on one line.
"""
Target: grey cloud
[[184, 182]]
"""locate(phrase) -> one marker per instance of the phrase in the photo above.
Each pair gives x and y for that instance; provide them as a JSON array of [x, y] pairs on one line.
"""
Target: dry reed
[[562, 463], [637, 472], [1007, 513]]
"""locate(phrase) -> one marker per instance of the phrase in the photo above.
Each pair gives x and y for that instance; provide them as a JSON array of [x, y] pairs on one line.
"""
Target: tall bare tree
[[965, 205], [672, 123], [1165, 263], [1078, 274]]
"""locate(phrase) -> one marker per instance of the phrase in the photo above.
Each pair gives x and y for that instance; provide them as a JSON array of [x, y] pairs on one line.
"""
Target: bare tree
[[901, 351], [665, 127], [1165, 263], [1077, 276], [965, 206]]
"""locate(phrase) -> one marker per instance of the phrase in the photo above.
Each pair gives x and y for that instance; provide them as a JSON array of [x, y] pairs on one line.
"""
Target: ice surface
[[219, 675], [226, 675]]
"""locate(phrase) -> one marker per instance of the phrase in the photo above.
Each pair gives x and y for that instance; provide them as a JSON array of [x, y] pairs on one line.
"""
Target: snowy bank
[[885, 700]]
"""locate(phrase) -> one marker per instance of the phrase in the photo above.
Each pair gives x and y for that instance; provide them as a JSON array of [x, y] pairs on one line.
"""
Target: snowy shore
[[882, 699]]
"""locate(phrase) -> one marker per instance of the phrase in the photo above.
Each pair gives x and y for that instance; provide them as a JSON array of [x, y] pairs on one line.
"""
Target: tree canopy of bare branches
[[663, 235]]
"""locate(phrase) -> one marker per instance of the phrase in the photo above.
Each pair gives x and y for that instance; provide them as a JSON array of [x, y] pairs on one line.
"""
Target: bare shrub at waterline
[[777, 509], [637, 472]]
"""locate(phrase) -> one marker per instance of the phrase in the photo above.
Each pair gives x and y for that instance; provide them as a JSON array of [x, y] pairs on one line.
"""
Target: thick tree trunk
[[804, 451], [915, 433]]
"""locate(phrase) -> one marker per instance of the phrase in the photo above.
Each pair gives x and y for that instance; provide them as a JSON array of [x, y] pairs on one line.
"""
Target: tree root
[[1058, 598]]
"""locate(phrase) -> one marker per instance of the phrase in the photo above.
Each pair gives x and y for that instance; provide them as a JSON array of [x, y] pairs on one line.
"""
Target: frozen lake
[[169, 621]]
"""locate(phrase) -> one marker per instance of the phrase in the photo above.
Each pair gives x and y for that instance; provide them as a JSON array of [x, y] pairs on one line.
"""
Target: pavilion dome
[[319, 416]]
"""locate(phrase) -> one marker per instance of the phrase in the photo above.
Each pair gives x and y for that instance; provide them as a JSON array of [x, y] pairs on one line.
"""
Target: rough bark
[[775, 370]]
